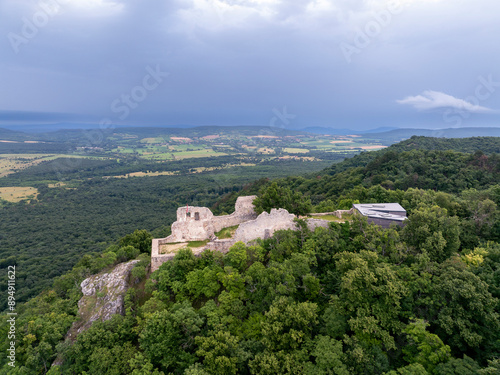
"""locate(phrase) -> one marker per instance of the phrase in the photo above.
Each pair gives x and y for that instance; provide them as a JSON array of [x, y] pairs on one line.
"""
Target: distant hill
[[487, 145], [202, 131], [392, 136], [333, 131], [11, 135], [75, 135]]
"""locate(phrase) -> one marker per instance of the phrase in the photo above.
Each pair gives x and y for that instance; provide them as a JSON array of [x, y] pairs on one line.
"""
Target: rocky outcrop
[[103, 296]]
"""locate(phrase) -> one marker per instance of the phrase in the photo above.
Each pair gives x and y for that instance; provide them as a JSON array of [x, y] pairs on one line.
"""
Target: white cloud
[[435, 99]]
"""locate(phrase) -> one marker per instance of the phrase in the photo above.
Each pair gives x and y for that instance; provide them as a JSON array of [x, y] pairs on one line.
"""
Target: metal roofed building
[[383, 214]]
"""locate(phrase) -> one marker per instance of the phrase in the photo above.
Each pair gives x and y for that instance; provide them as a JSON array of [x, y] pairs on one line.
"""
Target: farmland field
[[18, 193]]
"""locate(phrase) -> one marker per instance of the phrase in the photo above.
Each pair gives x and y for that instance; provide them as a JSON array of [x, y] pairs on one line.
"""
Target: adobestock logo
[[31, 26], [139, 93], [371, 30], [483, 91]]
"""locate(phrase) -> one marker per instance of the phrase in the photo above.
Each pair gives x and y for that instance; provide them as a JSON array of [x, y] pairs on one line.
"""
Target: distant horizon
[[52, 127]]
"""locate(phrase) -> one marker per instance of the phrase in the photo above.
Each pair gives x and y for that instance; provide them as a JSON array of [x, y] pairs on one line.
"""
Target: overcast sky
[[355, 64]]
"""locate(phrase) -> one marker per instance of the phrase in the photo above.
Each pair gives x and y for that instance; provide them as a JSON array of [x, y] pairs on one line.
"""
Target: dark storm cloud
[[331, 63]]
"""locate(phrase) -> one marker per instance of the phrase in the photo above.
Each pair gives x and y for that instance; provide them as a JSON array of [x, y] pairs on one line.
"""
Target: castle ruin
[[200, 224]]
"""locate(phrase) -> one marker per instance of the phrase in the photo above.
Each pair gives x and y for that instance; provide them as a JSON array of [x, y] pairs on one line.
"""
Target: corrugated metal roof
[[382, 210]]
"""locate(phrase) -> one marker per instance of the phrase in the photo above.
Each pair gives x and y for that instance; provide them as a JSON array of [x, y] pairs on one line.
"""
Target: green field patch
[[60, 185], [226, 232], [265, 150], [124, 150], [293, 150], [18, 193], [197, 154], [188, 147], [160, 156], [196, 244], [144, 174], [152, 140]]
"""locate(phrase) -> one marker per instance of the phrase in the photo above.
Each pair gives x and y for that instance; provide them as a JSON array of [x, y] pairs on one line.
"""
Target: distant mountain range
[[332, 131], [397, 135], [387, 135]]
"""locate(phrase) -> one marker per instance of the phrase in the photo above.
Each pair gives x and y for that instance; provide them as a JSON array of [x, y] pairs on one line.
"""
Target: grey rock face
[[103, 295]]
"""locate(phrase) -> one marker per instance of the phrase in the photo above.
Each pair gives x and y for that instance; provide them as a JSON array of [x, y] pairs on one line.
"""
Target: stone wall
[[251, 227], [312, 224], [265, 225], [243, 211], [193, 224], [158, 259], [200, 224], [222, 246], [337, 213]]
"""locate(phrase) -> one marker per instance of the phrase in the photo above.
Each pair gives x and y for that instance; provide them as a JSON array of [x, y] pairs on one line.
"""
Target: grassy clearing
[[181, 139], [197, 154], [172, 247], [189, 147], [226, 232], [373, 147], [11, 163], [152, 140], [18, 193], [162, 156], [293, 150], [195, 244], [56, 185], [144, 174], [265, 150]]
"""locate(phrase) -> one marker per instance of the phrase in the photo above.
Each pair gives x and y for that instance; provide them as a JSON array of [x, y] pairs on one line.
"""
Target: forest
[[352, 298]]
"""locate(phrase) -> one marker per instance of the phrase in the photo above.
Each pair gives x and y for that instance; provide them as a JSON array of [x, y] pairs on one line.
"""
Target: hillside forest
[[352, 298]]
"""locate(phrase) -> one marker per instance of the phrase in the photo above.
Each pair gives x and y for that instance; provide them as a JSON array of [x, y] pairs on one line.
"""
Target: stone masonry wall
[[251, 227], [243, 211], [199, 223], [265, 225]]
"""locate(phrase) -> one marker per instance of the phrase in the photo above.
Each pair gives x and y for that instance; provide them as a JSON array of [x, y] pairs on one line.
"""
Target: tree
[[219, 351], [463, 309], [369, 297], [140, 239], [168, 337], [275, 196], [424, 347], [430, 229]]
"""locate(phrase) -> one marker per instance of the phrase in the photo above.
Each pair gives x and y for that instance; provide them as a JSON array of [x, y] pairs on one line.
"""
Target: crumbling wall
[[193, 224], [243, 211], [221, 246], [337, 213], [199, 223], [312, 224], [265, 225], [251, 227]]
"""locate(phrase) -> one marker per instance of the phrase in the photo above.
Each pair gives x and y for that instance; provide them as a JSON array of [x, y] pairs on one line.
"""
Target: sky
[[345, 64]]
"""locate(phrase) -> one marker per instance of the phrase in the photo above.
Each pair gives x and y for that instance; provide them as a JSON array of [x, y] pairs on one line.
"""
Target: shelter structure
[[383, 214]]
